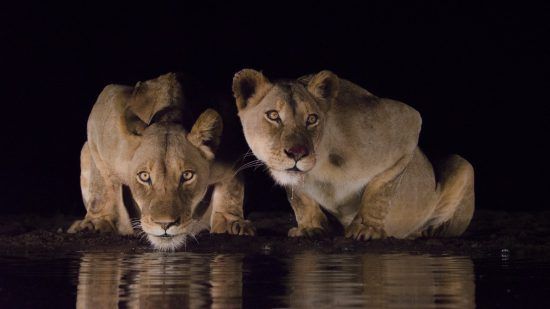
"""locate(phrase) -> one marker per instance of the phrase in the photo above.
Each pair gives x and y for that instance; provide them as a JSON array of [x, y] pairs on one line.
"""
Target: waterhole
[[305, 280]]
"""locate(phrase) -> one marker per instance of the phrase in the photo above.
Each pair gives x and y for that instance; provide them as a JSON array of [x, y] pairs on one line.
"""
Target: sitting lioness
[[135, 139], [333, 144]]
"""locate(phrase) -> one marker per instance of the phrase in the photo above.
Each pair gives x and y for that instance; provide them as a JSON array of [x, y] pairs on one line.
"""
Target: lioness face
[[283, 122], [283, 130], [170, 174]]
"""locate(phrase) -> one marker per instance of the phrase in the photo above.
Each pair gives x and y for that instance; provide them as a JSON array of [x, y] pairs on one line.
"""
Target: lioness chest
[[337, 189]]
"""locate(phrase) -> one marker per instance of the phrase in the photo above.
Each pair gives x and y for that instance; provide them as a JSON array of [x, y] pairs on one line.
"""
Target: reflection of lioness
[[333, 144], [135, 140]]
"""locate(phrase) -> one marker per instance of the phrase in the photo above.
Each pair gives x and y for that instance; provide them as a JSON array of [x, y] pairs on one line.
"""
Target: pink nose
[[297, 152]]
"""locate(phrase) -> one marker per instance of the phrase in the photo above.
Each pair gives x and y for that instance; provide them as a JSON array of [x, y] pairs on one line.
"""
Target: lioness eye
[[187, 175], [144, 177], [273, 115], [312, 119]]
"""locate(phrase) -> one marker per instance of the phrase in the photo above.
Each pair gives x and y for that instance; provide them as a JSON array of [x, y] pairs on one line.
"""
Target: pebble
[[267, 248]]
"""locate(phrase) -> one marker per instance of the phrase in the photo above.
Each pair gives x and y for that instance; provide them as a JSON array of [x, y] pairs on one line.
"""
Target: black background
[[475, 71]]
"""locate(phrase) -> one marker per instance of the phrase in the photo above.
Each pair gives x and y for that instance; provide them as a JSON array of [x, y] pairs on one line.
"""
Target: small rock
[[60, 230], [267, 248]]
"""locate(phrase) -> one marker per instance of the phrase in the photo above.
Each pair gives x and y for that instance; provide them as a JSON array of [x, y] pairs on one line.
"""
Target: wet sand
[[491, 233]]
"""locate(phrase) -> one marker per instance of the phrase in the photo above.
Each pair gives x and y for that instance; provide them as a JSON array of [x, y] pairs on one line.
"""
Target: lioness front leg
[[227, 209], [311, 220], [102, 199], [375, 201]]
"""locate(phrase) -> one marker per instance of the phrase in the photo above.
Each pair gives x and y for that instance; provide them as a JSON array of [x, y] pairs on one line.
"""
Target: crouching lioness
[[332, 144], [135, 139]]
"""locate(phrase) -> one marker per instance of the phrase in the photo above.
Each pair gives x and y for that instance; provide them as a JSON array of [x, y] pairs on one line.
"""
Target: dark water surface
[[306, 280]]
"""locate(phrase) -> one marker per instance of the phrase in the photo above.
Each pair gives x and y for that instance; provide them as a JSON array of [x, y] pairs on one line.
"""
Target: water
[[306, 280]]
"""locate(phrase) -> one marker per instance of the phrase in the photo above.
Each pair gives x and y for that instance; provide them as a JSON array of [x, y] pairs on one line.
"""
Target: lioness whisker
[[242, 169], [252, 162], [194, 238], [255, 163], [247, 154]]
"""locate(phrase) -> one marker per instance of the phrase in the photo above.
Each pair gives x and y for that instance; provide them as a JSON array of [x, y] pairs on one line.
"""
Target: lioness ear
[[206, 133], [324, 85], [152, 96], [142, 104], [249, 87]]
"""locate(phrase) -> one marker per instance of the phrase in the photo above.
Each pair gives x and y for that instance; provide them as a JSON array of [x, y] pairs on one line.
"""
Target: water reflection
[[381, 281], [159, 280], [188, 280]]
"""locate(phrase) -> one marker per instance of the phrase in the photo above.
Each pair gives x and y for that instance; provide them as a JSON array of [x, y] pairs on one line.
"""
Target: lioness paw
[[309, 232], [361, 231], [99, 225], [233, 227]]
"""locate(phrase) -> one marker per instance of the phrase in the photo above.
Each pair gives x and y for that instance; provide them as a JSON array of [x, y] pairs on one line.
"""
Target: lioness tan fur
[[333, 144], [135, 140]]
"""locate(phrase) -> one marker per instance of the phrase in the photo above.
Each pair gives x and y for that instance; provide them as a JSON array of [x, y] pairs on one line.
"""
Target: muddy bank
[[491, 233]]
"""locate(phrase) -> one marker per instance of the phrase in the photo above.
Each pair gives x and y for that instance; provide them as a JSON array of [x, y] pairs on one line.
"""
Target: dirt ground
[[490, 233]]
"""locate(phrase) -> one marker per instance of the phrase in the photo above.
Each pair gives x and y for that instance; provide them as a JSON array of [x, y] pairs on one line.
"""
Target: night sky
[[474, 71]]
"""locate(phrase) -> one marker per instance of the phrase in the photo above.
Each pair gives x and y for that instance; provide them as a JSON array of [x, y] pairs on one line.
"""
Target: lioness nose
[[297, 152], [167, 224]]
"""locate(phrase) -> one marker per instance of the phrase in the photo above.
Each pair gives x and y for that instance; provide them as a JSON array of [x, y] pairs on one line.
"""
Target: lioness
[[333, 144], [135, 140]]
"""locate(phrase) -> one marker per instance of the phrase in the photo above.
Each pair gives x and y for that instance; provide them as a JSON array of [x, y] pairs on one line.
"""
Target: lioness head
[[283, 121], [170, 169]]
